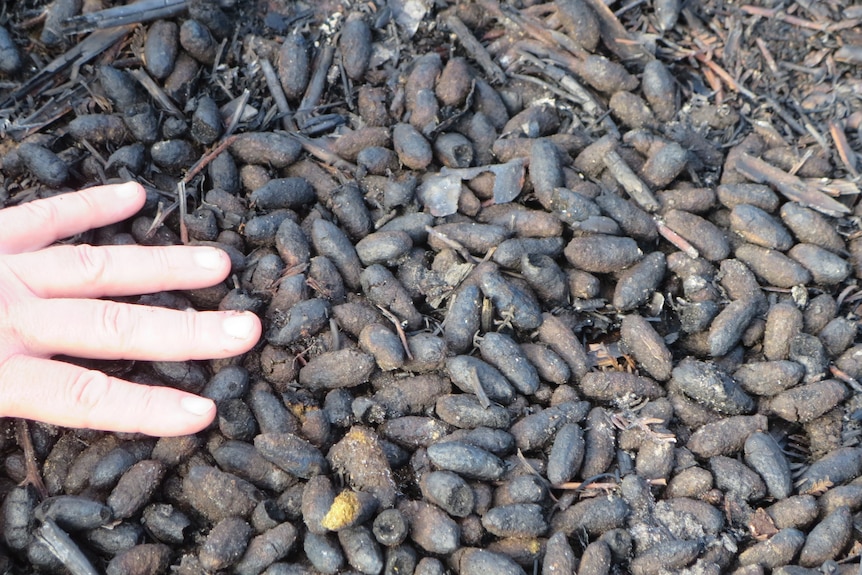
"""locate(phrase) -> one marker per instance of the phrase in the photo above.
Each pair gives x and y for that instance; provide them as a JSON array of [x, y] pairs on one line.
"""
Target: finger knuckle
[[146, 400], [88, 390], [93, 262], [189, 325], [116, 323], [41, 213]]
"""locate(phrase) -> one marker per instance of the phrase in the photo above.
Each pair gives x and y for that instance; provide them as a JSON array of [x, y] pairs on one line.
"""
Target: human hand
[[48, 307]]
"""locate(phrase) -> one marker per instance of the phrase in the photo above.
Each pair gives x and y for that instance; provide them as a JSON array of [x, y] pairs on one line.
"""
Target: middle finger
[[100, 329]]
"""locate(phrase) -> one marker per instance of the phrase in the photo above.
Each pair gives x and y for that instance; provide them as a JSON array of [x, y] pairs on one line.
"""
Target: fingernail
[[239, 326], [127, 190], [209, 258], [196, 405]]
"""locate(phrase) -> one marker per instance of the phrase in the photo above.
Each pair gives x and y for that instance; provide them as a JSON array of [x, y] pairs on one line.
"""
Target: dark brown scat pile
[[546, 287]]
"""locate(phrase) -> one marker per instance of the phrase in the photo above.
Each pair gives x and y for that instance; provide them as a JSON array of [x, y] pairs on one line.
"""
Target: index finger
[[40, 223]]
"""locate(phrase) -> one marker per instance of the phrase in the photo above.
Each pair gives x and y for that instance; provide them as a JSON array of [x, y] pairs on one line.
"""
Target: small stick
[[801, 162], [791, 186], [845, 152], [50, 112], [475, 49], [534, 471], [61, 546], [237, 114], [207, 158], [810, 128], [33, 476], [468, 257], [784, 115], [628, 7], [217, 63], [155, 91], [577, 92], [94, 152], [796, 21], [181, 198], [631, 183], [324, 155], [484, 401], [845, 293], [335, 334], [316, 85], [677, 240], [616, 37], [846, 378], [547, 86], [767, 55], [34, 21], [162, 214], [278, 95], [398, 329], [91, 47], [580, 486], [726, 77], [134, 13]]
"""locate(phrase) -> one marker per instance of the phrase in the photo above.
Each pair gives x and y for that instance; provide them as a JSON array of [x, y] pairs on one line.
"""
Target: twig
[[590, 483], [316, 84], [846, 378], [449, 242], [791, 186], [845, 152], [616, 37], [547, 86], [839, 301], [767, 56], [580, 486], [89, 48], [54, 109], [633, 185], [398, 329], [785, 115], [550, 39], [628, 7], [475, 49], [278, 95], [334, 334], [677, 240], [578, 93], [181, 199], [484, 401], [324, 155], [801, 162], [155, 91], [237, 113], [36, 20], [61, 546], [810, 128], [162, 214], [777, 14], [135, 13], [207, 158], [94, 152], [725, 76], [33, 477]]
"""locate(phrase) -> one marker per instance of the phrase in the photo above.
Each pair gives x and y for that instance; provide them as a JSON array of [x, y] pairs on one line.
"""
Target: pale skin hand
[[48, 306]]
